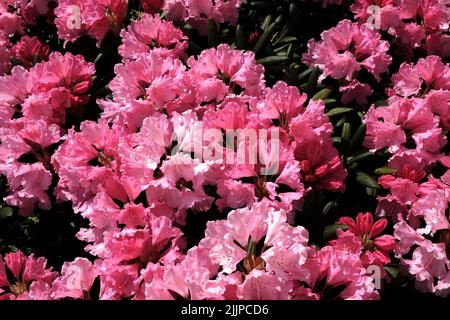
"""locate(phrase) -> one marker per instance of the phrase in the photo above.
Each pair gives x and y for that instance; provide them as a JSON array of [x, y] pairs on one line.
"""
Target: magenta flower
[[376, 248]]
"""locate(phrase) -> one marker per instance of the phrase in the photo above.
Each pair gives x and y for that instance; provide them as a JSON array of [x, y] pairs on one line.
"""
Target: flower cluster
[[213, 172], [34, 104], [344, 52], [413, 128], [413, 24]]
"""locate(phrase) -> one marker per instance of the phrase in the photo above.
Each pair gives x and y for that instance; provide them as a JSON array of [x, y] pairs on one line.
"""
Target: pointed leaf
[[322, 94], [384, 170], [366, 180], [337, 111]]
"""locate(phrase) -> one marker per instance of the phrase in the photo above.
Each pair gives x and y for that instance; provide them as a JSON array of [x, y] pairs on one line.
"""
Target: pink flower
[[404, 183], [376, 248], [406, 126], [28, 185], [75, 281], [118, 281], [24, 271], [345, 49], [432, 209], [438, 101], [336, 272], [30, 51], [10, 22], [95, 18], [438, 44], [146, 81], [320, 164], [357, 91], [388, 12], [87, 161], [5, 54], [259, 285], [236, 241], [429, 262], [152, 33], [197, 13], [282, 102], [67, 71], [429, 72], [229, 70]]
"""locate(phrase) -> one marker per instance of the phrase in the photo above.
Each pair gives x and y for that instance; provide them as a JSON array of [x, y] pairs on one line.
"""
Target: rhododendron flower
[[406, 126], [429, 262], [376, 248], [356, 91], [345, 49], [95, 18], [10, 22], [66, 71], [429, 73], [23, 277], [228, 71], [282, 102], [404, 183], [86, 162], [76, 280], [319, 160], [145, 81], [30, 51], [411, 22], [209, 168], [152, 33], [337, 272], [197, 13], [5, 54]]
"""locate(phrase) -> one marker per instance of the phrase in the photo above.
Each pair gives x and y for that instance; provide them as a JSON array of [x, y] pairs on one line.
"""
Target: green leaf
[[241, 42], [98, 58], [290, 51], [337, 140], [384, 170], [329, 232], [262, 4], [6, 212], [264, 38], [329, 207], [341, 121], [357, 138], [379, 103], [322, 94], [281, 35], [366, 180], [272, 60], [305, 73], [359, 157], [250, 247], [266, 22], [292, 9], [346, 131], [329, 101], [371, 192], [313, 77], [287, 39], [393, 271], [337, 111], [279, 19]]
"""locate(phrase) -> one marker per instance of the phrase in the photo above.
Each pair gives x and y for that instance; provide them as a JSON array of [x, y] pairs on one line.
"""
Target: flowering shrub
[[218, 150]]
